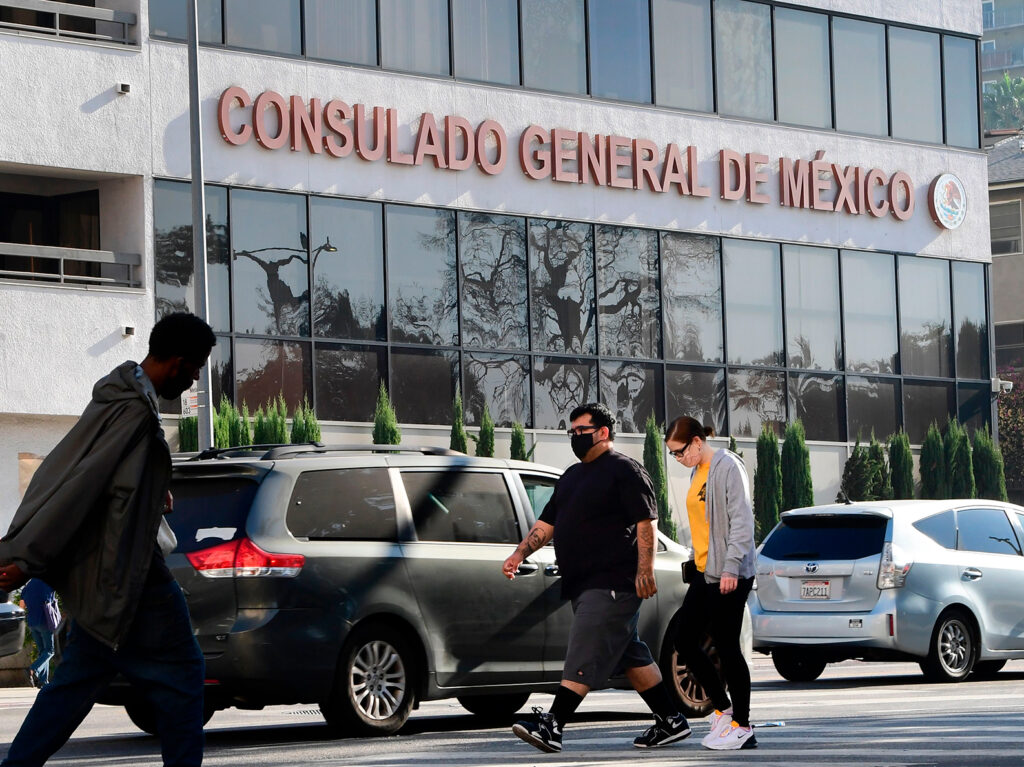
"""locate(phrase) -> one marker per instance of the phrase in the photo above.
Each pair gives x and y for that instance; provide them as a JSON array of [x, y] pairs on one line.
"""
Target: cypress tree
[[654, 462], [519, 443], [881, 489], [797, 489], [244, 426], [933, 465], [312, 424], [222, 424], [485, 442], [277, 420], [959, 467], [733, 448], [859, 477], [989, 476], [457, 441], [385, 424], [901, 466], [259, 428], [298, 434], [767, 483], [188, 434]]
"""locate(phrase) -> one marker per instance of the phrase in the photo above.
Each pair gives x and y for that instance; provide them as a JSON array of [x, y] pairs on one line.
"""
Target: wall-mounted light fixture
[[123, 88], [128, 330]]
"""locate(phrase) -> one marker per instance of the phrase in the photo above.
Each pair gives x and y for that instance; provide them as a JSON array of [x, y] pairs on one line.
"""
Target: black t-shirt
[[594, 510]]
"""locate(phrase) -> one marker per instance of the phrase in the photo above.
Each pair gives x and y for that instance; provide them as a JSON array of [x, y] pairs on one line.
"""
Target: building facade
[[746, 211], [1002, 41]]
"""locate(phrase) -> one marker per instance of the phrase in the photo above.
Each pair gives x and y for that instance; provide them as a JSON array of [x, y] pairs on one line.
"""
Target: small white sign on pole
[[190, 400]]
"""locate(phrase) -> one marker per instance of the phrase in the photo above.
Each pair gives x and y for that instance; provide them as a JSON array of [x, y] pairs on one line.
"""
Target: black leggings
[[708, 611]]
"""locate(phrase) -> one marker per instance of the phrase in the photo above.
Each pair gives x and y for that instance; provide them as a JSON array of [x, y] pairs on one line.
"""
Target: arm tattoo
[[534, 540], [645, 545]]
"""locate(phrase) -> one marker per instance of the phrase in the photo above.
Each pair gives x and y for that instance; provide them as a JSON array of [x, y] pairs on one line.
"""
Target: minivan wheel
[[373, 691], [952, 651], [494, 708], [686, 691], [797, 666]]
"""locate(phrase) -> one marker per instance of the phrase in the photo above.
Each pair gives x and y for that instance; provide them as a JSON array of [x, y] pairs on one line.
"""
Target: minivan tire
[[953, 649], [687, 693], [494, 708], [374, 688], [797, 665]]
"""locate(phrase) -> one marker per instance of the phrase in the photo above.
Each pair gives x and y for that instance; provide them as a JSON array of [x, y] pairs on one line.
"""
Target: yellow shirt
[[696, 510]]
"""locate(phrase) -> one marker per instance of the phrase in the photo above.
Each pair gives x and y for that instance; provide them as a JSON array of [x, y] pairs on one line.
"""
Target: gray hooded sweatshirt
[[730, 519]]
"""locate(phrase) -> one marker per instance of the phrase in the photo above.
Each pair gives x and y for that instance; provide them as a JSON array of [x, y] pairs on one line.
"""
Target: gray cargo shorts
[[604, 641]]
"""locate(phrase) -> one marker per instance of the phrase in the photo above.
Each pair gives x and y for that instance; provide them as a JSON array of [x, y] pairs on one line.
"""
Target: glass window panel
[[693, 297], [633, 392], [753, 302], [970, 320], [817, 401], [486, 40], [503, 382], [1010, 357], [926, 343], [559, 385], [873, 407], [960, 68], [682, 54], [629, 291], [1005, 226], [744, 72], [265, 369], [860, 77], [698, 393], [802, 67], [562, 286], [925, 403], [342, 30], [492, 258], [554, 45], [343, 505], [940, 527], [221, 378], [414, 35], [348, 268], [271, 264], [172, 245], [421, 272], [423, 385], [620, 49], [986, 530], [916, 86], [974, 403], [813, 323], [869, 303], [461, 507], [169, 18], [347, 381], [264, 25], [756, 397]]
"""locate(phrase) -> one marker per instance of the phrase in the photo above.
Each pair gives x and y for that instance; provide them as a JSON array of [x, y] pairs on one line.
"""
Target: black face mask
[[581, 444]]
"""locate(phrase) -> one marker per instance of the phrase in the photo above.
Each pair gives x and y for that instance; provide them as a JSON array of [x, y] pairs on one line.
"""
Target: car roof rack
[[273, 452]]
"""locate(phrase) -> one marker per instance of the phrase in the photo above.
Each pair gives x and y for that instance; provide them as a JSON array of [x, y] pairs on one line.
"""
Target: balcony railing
[[65, 20], [69, 266], [1008, 17], [991, 60]]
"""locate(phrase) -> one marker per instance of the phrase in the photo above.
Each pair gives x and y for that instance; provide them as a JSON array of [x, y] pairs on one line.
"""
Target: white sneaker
[[732, 738], [718, 721]]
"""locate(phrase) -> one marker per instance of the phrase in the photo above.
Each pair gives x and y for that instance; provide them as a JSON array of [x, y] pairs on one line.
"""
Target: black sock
[[659, 701], [565, 705]]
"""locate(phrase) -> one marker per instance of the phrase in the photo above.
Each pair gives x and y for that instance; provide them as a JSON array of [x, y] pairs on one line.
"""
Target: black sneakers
[[542, 731], [663, 732]]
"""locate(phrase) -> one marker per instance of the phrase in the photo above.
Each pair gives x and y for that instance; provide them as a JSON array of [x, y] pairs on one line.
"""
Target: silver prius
[[937, 582]]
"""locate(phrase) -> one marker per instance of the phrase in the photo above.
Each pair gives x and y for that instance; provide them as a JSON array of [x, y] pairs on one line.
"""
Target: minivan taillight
[[893, 567], [244, 559]]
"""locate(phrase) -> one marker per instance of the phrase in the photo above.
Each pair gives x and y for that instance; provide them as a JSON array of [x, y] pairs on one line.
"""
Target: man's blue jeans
[[43, 638], [159, 657]]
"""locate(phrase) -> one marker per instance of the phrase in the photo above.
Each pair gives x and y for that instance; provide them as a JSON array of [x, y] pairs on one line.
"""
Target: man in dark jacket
[[88, 526]]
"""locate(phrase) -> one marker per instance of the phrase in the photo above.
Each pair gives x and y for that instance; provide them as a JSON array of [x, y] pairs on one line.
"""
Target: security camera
[[1005, 386]]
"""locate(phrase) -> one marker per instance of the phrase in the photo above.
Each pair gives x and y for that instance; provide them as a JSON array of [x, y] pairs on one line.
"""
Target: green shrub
[[188, 434], [305, 427], [797, 489], [259, 428], [485, 442], [244, 427], [767, 483], [989, 475], [458, 438], [733, 448], [901, 466], [859, 477], [654, 462], [881, 489], [385, 424], [959, 467], [933, 465], [519, 443]]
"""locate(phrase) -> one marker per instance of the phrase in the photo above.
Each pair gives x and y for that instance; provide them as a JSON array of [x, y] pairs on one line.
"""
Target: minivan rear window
[[343, 505], [844, 536], [210, 510]]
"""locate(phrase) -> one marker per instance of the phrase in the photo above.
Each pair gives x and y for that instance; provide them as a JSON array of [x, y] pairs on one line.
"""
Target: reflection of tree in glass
[[503, 383], [273, 368], [347, 383], [699, 394], [174, 266], [335, 315], [927, 350], [972, 350], [560, 388], [421, 314], [629, 392], [275, 299], [802, 357], [492, 252], [693, 297], [627, 262], [756, 397], [562, 284]]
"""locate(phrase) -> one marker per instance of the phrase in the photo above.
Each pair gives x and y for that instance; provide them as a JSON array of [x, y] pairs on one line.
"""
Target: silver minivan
[[937, 582]]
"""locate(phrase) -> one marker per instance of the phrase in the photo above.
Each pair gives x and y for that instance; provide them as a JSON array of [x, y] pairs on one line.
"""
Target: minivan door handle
[[551, 571], [971, 573], [527, 568]]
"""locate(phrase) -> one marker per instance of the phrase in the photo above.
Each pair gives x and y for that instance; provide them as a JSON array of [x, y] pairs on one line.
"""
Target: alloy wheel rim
[[954, 646], [377, 680], [689, 688]]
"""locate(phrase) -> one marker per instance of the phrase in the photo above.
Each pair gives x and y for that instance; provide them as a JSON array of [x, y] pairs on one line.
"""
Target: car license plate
[[814, 590]]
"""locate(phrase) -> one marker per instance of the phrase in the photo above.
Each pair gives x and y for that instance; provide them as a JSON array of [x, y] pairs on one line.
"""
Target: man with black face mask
[[604, 512]]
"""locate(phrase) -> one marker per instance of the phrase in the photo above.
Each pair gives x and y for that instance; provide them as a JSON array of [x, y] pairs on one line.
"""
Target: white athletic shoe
[[718, 722], [732, 738]]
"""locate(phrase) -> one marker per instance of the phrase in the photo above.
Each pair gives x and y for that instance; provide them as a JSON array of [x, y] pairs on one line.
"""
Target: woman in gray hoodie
[[720, 577]]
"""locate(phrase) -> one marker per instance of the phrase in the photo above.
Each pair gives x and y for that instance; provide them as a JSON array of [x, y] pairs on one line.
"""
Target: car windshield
[[845, 536]]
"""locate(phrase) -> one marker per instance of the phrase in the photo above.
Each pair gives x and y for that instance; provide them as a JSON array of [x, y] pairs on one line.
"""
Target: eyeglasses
[[682, 451], [581, 430]]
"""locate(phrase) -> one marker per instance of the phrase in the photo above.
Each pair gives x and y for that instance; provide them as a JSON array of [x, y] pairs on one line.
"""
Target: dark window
[[539, 491], [1005, 226], [974, 406], [858, 53], [210, 510], [693, 297], [270, 275], [169, 18], [343, 505], [486, 40], [753, 302], [813, 325], [620, 49], [562, 286], [926, 343], [222, 372], [744, 69], [461, 507], [264, 25], [841, 536], [802, 68], [414, 35], [423, 385], [64, 220], [873, 407], [629, 292], [818, 402], [960, 69], [869, 303], [941, 528], [986, 530], [421, 271], [342, 30], [698, 393], [925, 402], [348, 269], [633, 392], [915, 82], [492, 259], [756, 397], [682, 54], [347, 381], [500, 381], [560, 385], [554, 45], [266, 369], [970, 320]]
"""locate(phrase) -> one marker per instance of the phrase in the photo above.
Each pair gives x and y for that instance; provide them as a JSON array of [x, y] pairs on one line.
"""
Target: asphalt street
[[857, 714]]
